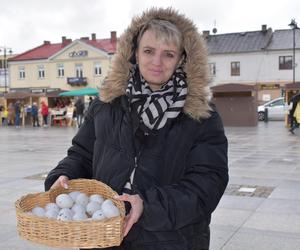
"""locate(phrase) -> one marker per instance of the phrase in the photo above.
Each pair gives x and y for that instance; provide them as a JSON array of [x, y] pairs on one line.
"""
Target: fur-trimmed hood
[[196, 67]]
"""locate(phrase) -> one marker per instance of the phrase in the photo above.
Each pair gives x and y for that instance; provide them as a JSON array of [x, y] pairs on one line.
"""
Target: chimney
[[205, 33], [113, 36], [94, 36], [47, 43], [264, 28], [63, 39], [85, 38]]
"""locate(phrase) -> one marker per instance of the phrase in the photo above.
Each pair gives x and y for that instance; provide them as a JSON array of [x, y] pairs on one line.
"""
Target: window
[[21, 72], [41, 72], [212, 69], [79, 70], [285, 62], [235, 68], [97, 69], [60, 70]]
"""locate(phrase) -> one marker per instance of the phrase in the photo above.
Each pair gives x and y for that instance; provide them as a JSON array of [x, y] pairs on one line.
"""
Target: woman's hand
[[135, 212], [62, 181]]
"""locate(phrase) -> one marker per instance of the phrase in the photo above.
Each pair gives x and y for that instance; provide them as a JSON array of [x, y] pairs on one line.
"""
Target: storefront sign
[[79, 53]]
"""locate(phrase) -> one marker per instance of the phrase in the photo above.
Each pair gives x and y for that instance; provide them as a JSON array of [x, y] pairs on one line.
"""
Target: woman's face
[[157, 59]]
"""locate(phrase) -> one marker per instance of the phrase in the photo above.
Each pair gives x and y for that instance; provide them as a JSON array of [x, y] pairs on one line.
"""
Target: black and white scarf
[[155, 108]]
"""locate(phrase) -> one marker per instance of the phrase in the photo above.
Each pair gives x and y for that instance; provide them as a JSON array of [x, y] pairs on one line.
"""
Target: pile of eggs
[[78, 206]]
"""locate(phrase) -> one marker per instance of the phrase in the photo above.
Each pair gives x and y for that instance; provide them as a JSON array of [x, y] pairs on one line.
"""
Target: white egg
[[38, 211], [77, 208], [74, 195], [80, 216], [51, 206], [98, 215], [97, 197], [64, 201], [107, 203], [65, 214], [82, 199], [51, 214], [92, 207], [109, 209]]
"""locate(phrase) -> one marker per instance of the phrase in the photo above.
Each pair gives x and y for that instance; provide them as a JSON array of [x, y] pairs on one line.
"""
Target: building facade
[[262, 58], [62, 66]]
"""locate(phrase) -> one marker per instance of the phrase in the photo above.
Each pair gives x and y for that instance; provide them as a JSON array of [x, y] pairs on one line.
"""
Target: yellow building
[[52, 68]]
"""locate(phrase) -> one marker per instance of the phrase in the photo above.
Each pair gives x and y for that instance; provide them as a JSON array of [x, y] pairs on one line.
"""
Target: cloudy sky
[[26, 24]]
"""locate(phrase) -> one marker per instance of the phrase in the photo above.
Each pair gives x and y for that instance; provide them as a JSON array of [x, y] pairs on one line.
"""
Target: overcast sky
[[25, 24]]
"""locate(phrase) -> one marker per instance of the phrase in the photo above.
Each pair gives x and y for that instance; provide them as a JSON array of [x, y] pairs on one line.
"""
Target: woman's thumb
[[64, 182]]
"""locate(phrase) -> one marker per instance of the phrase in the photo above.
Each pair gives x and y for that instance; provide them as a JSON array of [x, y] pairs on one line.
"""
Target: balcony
[[77, 81]]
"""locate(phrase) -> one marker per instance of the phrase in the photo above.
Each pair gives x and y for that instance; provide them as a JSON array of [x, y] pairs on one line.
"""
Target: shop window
[[60, 70], [41, 72], [235, 68], [97, 69], [21, 72], [285, 62]]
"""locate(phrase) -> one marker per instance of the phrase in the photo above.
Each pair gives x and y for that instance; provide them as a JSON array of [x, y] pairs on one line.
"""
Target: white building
[[263, 58]]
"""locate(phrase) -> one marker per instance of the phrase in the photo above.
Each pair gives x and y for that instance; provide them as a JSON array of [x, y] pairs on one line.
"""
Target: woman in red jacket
[[45, 113]]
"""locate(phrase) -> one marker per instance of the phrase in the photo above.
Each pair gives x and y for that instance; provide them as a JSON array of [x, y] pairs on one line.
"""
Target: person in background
[[11, 114], [154, 137], [90, 100], [295, 113], [45, 113], [35, 115], [17, 114], [79, 105], [69, 114], [4, 116]]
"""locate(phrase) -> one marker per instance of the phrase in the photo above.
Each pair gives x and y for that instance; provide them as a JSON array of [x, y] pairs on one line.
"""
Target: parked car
[[276, 110]]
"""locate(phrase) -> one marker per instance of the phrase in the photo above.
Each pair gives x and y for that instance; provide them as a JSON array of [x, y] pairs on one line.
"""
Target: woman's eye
[[170, 55], [147, 51]]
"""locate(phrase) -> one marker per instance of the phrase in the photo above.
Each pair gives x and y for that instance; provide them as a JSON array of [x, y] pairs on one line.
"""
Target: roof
[[238, 42], [47, 49], [283, 39]]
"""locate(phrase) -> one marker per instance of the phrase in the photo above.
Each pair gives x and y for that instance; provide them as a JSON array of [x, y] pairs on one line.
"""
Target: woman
[[153, 137], [45, 113]]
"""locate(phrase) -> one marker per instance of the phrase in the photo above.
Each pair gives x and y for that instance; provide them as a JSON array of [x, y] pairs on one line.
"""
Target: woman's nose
[[157, 60]]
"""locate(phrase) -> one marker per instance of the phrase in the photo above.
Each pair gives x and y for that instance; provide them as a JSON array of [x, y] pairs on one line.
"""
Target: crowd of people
[[40, 114]]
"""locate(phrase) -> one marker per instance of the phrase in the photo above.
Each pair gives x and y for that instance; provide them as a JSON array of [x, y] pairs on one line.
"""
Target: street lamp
[[5, 50], [294, 27]]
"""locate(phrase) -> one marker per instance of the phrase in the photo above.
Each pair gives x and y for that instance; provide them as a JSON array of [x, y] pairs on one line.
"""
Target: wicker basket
[[79, 234]]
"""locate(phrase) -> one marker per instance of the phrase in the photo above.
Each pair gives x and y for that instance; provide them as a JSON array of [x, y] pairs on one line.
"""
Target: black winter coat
[[181, 172]]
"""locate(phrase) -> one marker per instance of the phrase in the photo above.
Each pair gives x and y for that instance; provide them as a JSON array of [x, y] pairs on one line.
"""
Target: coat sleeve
[[195, 196], [78, 162]]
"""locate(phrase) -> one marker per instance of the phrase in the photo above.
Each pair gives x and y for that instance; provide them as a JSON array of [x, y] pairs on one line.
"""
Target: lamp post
[[5, 49], [294, 27]]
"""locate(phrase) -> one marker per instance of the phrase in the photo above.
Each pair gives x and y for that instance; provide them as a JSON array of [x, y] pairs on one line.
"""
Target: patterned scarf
[[155, 108]]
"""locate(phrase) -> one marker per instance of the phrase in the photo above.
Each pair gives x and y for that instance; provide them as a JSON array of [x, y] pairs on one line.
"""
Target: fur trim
[[196, 67]]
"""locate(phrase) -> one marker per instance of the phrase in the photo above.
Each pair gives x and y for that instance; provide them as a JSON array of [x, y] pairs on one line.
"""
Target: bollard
[[266, 115]]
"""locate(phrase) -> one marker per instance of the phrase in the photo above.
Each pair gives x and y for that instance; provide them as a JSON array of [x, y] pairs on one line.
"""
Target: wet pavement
[[260, 209]]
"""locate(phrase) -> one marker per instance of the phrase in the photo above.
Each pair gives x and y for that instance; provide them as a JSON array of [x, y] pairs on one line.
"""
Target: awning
[[80, 92]]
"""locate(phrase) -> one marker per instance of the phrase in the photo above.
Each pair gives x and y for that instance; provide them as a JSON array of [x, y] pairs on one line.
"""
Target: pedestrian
[[45, 113], [11, 114], [90, 100], [17, 114], [79, 105], [295, 113], [35, 115], [154, 137]]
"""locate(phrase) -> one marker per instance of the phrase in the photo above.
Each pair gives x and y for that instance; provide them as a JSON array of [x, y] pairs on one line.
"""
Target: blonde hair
[[164, 30]]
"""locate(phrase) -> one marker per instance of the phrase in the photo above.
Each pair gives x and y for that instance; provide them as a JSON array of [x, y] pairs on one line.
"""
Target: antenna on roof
[[215, 29]]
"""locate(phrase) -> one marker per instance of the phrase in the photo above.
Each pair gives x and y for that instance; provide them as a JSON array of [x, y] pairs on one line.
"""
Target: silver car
[[276, 110]]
